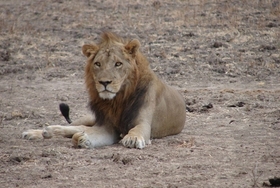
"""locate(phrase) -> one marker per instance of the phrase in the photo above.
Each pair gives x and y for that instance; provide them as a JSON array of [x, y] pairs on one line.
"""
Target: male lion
[[129, 102]]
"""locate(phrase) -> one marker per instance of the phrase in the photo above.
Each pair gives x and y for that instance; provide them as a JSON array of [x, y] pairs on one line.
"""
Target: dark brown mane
[[122, 110]]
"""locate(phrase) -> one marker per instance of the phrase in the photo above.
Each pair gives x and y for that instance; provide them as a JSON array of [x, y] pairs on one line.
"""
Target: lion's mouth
[[106, 94], [107, 91]]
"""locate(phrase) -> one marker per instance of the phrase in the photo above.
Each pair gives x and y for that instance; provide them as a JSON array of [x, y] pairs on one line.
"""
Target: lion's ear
[[133, 46], [89, 49]]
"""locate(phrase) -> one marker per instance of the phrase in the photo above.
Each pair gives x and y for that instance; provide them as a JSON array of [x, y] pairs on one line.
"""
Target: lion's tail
[[64, 109]]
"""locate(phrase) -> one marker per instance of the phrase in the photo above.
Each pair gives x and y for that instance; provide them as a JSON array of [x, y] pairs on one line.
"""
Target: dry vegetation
[[224, 56]]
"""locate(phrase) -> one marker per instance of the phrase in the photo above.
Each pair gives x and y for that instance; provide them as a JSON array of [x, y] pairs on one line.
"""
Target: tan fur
[[126, 97]]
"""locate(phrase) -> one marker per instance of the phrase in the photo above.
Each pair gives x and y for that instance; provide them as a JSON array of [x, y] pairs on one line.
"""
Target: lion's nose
[[105, 83]]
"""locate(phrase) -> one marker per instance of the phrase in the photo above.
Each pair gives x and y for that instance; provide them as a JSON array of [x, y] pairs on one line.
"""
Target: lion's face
[[109, 66], [109, 69]]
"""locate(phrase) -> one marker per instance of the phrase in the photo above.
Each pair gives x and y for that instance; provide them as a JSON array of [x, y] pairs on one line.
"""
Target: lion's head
[[111, 65]]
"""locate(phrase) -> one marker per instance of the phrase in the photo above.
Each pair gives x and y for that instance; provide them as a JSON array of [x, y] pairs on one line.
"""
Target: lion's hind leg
[[32, 134], [53, 130], [64, 131], [78, 125]]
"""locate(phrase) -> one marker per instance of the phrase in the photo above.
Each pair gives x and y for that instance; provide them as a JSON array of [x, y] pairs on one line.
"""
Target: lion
[[129, 103]]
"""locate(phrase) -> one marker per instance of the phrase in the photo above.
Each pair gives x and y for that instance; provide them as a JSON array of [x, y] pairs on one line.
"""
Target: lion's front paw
[[132, 141], [32, 134], [80, 140]]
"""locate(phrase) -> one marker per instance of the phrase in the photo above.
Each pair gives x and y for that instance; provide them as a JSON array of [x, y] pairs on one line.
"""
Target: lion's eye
[[97, 64], [118, 64]]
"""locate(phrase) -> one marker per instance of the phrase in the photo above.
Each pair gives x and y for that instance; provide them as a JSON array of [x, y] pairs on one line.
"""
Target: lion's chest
[[121, 114]]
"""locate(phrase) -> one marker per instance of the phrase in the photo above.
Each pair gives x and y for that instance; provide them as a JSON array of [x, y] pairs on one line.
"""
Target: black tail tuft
[[64, 109]]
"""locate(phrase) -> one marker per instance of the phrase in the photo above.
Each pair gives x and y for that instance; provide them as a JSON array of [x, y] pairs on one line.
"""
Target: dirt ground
[[223, 56]]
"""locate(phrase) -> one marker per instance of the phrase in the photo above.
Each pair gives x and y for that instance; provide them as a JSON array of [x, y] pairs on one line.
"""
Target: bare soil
[[223, 56]]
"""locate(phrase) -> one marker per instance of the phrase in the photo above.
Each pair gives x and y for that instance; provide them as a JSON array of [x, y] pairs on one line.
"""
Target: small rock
[[5, 55], [217, 44], [189, 109], [238, 104], [126, 160], [271, 24], [275, 182], [208, 106], [267, 47], [46, 176]]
